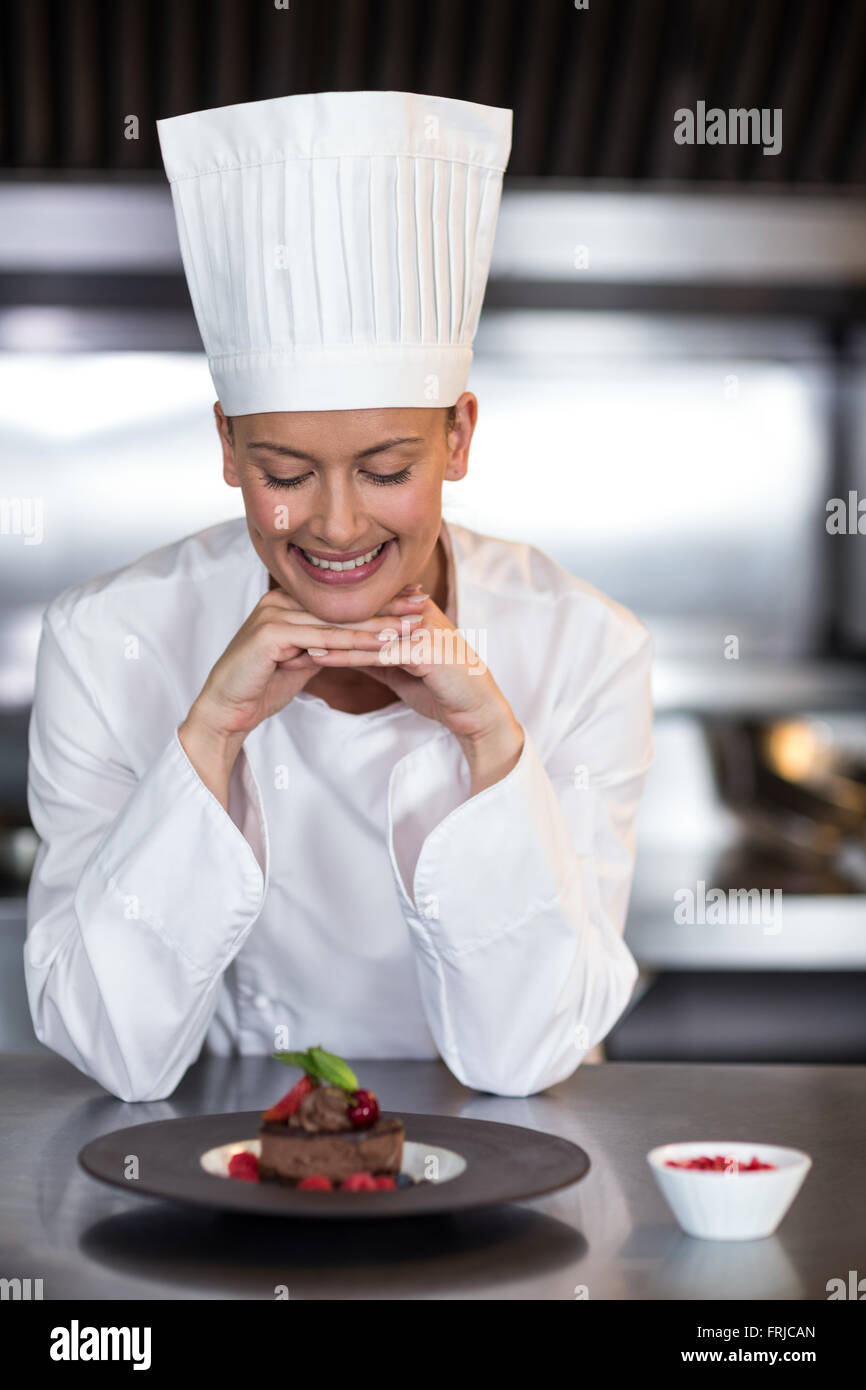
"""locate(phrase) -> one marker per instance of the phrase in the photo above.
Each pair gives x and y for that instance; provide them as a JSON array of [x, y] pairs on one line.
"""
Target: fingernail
[[317, 651], [417, 598], [408, 587], [390, 634]]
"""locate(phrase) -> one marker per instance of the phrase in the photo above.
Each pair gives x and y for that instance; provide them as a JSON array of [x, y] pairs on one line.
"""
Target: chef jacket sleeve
[[519, 894], [143, 889]]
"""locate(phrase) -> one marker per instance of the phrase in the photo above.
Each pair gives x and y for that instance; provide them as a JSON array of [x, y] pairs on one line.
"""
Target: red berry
[[364, 1111], [385, 1184], [291, 1100], [244, 1165], [316, 1182], [358, 1182], [718, 1164]]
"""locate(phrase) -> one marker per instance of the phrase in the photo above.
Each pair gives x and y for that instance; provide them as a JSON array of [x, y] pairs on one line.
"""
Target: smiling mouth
[[356, 563]]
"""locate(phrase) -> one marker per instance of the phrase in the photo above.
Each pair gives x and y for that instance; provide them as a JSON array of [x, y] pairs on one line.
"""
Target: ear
[[230, 471], [460, 437]]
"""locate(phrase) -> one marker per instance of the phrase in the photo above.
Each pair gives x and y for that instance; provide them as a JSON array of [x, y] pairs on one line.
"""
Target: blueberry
[[404, 1180]]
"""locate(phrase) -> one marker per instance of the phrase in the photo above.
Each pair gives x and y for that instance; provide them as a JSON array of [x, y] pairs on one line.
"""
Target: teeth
[[342, 564]]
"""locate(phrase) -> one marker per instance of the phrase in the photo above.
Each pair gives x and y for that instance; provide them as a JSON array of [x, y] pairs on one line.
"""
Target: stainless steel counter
[[610, 1235]]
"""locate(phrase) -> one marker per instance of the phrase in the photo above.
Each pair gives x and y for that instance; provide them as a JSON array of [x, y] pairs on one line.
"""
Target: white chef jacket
[[354, 894]]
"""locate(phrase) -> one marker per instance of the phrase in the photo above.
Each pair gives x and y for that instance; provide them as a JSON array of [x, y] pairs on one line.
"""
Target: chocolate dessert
[[327, 1127]]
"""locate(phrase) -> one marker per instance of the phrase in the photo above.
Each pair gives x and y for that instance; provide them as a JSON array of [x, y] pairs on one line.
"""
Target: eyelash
[[380, 479]]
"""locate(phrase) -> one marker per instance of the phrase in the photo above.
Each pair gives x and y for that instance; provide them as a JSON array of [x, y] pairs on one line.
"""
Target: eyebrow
[[284, 449]]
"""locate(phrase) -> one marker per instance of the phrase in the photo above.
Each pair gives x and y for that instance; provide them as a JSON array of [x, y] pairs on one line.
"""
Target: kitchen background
[[671, 371]]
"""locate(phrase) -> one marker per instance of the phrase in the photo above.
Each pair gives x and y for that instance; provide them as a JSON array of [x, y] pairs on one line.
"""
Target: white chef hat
[[337, 244]]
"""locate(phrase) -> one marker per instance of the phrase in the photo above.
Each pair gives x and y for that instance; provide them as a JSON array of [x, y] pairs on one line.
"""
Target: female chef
[[336, 771]]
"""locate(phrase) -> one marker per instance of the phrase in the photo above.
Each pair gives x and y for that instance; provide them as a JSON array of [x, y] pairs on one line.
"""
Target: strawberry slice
[[291, 1101]]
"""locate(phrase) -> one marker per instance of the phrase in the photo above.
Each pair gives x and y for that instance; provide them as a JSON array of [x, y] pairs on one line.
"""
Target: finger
[[402, 603], [302, 662], [374, 660], [344, 639], [302, 619], [375, 623], [412, 593]]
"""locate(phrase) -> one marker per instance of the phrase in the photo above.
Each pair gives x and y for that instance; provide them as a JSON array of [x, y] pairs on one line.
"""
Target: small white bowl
[[729, 1205]]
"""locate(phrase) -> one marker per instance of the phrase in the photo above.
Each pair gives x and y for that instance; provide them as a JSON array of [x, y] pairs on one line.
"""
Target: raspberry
[[316, 1182], [385, 1184], [245, 1166], [358, 1182]]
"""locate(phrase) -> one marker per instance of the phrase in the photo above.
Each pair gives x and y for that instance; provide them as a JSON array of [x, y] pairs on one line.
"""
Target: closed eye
[[380, 479]]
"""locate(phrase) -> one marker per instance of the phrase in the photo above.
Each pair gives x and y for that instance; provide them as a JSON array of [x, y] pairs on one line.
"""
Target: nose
[[336, 519]]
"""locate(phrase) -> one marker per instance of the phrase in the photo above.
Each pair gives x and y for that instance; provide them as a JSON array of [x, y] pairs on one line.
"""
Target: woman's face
[[339, 484]]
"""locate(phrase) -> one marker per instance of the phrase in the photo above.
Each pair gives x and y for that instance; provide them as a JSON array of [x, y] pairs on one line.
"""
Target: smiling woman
[[342, 548], [309, 808], [341, 527]]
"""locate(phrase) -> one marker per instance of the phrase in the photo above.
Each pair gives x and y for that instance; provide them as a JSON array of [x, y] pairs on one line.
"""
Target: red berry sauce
[[718, 1164]]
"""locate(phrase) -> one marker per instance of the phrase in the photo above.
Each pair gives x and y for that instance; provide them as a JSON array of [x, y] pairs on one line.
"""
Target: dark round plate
[[504, 1163]]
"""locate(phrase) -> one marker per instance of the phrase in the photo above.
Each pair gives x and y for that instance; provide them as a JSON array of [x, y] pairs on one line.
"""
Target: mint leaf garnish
[[323, 1066]]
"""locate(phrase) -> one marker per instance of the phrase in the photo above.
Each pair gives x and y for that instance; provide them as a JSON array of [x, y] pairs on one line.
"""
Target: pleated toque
[[337, 245]]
